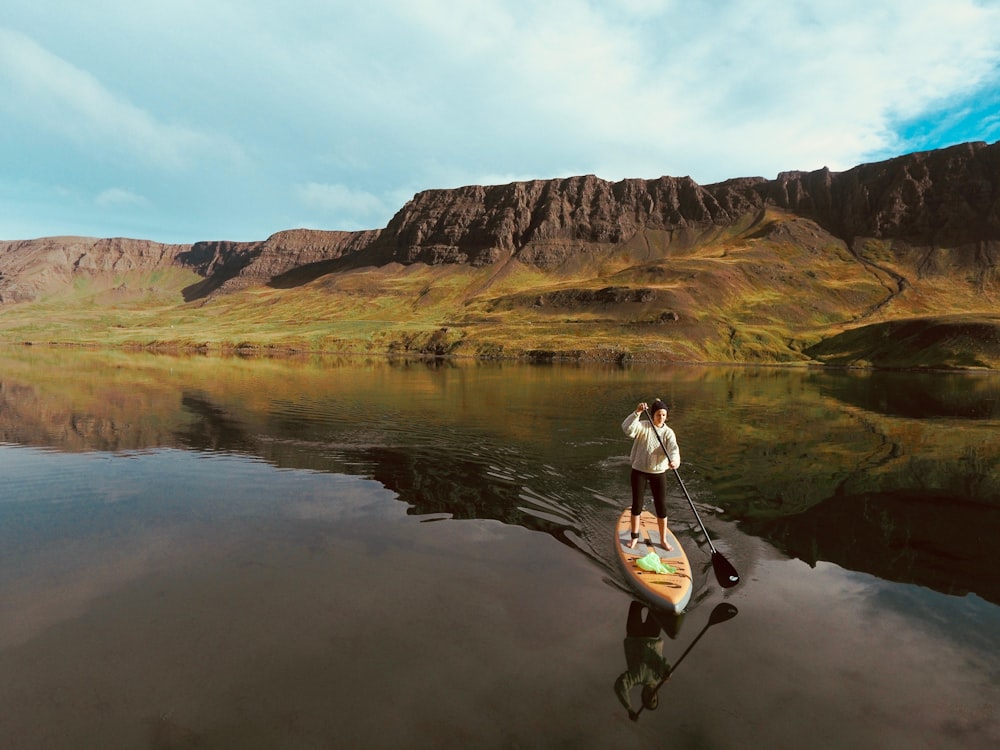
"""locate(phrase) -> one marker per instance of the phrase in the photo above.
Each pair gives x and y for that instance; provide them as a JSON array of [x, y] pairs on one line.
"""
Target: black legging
[[657, 483]]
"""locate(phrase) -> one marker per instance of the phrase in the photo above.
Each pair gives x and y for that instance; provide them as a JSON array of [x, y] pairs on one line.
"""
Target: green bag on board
[[654, 564]]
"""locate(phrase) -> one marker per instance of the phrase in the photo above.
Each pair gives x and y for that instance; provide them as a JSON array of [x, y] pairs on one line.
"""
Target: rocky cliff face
[[543, 221], [228, 266], [944, 198], [29, 267], [948, 198]]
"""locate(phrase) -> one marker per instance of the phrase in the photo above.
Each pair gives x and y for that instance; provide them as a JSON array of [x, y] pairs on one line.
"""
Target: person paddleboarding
[[654, 451]]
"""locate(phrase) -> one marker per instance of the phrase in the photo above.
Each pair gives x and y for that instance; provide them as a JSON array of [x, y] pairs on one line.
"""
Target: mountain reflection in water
[[894, 474], [300, 485], [927, 538]]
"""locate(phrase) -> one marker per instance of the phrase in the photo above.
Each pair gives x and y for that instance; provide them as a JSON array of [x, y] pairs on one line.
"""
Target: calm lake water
[[323, 553]]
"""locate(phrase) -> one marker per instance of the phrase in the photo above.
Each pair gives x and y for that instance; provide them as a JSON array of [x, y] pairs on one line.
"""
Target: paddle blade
[[721, 613], [725, 573]]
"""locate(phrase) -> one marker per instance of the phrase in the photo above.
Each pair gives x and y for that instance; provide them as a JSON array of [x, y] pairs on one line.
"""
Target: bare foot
[[632, 543], [667, 547]]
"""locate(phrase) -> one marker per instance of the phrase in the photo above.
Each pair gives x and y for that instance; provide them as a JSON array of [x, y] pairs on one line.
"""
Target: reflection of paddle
[[725, 573], [721, 613]]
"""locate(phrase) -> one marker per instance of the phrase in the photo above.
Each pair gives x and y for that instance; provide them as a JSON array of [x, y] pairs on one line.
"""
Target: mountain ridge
[[916, 235]]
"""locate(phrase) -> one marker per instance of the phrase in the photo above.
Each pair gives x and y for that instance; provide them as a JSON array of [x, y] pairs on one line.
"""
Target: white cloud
[[115, 197], [339, 198], [342, 207], [359, 105], [756, 87], [59, 97], [711, 90]]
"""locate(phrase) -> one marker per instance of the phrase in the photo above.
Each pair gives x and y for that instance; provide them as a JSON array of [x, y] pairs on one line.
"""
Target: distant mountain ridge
[[921, 214], [944, 198], [936, 198]]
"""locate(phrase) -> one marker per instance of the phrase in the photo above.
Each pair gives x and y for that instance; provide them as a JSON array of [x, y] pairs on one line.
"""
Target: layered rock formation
[[944, 198], [948, 199], [542, 221]]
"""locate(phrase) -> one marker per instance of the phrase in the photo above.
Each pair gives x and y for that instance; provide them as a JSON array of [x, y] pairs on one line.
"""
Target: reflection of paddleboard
[[670, 591]]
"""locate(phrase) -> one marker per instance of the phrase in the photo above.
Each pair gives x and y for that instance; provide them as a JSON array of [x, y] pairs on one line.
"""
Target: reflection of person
[[650, 463], [644, 658]]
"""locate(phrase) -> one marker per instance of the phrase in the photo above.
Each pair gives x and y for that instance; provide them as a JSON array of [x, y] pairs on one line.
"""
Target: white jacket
[[647, 454]]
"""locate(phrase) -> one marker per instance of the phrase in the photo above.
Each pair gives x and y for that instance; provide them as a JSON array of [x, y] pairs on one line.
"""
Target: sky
[[187, 120]]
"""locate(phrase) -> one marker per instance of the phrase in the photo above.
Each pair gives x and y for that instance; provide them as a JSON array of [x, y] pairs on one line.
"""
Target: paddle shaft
[[691, 503], [670, 672], [721, 613], [680, 481], [725, 573]]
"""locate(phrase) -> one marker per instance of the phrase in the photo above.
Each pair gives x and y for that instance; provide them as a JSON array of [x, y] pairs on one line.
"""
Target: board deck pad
[[671, 591]]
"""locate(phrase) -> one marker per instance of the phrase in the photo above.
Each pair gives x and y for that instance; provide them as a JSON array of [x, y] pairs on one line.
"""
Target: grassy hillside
[[774, 290]]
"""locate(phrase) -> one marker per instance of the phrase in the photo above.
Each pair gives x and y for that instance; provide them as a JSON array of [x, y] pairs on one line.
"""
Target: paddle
[[722, 612], [725, 573]]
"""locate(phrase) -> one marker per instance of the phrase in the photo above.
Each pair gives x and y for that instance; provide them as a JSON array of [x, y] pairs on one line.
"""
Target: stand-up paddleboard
[[670, 591]]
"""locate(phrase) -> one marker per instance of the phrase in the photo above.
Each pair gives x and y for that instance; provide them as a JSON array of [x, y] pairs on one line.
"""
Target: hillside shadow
[[919, 395], [961, 341], [918, 536], [302, 275], [217, 263], [377, 253]]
